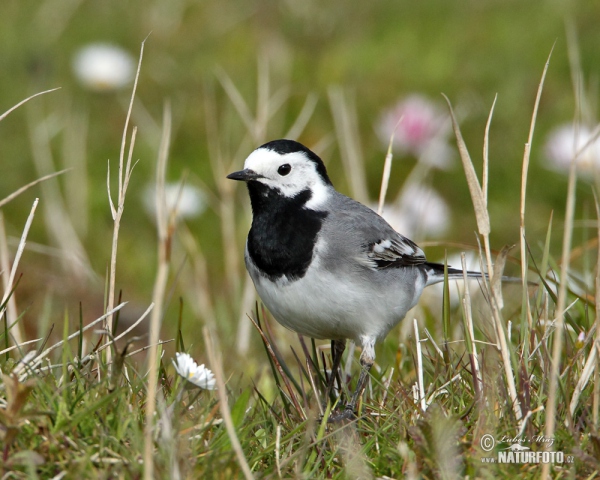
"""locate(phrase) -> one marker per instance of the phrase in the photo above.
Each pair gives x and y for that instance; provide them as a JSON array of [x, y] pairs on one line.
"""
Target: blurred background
[[339, 76]]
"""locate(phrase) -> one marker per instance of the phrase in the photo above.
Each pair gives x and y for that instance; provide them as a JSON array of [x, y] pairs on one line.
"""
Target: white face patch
[[303, 174]]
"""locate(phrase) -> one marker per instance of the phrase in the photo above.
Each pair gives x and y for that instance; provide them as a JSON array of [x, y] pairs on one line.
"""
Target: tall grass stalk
[[470, 332], [38, 358], [124, 175], [385, 177], [420, 381], [221, 162], [483, 224], [24, 188], [217, 367], [256, 123], [596, 347], [164, 222], [486, 151], [344, 119], [559, 321], [5, 114], [73, 257], [10, 307], [10, 283], [526, 317], [75, 158]]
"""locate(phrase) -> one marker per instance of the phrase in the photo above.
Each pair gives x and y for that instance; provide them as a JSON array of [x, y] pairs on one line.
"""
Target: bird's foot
[[345, 415]]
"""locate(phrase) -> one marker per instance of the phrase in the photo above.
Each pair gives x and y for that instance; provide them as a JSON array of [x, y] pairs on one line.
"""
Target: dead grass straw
[[483, 224], [10, 283], [217, 368], [158, 294], [124, 175]]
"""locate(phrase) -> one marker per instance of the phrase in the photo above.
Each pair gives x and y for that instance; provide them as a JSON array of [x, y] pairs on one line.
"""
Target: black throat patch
[[283, 233]]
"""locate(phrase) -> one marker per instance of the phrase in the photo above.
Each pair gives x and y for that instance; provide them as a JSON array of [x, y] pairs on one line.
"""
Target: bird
[[325, 265]]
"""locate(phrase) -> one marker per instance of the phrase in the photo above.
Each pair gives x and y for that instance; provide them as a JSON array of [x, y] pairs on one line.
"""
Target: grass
[[450, 391]]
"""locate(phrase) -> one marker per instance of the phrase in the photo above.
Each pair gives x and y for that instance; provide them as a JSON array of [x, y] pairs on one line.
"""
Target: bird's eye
[[284, 169]]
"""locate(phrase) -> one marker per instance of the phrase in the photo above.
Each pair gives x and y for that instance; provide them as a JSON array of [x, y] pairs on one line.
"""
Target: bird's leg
[[366, 363], [337, 350], [367, 358]]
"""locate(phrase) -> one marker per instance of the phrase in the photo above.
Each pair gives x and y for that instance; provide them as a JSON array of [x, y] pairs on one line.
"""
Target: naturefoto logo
[[519, 450]]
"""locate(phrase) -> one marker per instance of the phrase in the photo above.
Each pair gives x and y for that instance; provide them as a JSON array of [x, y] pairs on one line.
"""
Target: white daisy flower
[[102, 67], [198, 375], [188, 201], [564, 142]]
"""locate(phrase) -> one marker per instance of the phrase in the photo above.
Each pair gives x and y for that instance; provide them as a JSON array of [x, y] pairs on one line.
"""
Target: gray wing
[[361, 233]]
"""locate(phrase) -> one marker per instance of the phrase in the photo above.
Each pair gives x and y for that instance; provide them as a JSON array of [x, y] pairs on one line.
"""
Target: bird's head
[[288, 168]]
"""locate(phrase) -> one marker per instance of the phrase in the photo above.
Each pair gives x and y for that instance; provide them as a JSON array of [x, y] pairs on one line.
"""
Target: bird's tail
[[435, 273]]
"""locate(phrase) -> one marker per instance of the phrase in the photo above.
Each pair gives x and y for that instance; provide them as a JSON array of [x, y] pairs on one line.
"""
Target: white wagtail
[[325, 265]]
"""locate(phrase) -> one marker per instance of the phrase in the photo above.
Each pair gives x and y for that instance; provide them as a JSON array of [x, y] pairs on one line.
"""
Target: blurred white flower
[[418, 212], [102, 67], [198, 375], [187, 200], [564, 142], [419, 127]]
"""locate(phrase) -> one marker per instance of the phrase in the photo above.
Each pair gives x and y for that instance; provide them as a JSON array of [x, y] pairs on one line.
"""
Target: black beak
[[244, 175]]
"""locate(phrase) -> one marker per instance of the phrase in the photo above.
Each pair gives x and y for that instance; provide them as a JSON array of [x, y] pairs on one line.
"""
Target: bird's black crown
[[284, 146]]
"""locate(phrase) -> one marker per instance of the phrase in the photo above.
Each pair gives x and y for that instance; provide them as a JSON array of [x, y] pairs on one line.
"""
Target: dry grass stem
[[486, 150], [433, 342], [21, 190], [222, 164], [483, 223], [584, 377], [216, 366], [559, 321], [148, 347], [477, 195], [118, 211], [496, 282], [5, 268], [420, 381], [158, 294], [56, 217], [19, 346], [129, 329], [472, 347], [244, 326], [5, 114], [596, 394], [524, 176], [49, 350], [385, 178], [237, 100], [76, 183], [13, 271], [303, 117], [344, 119]]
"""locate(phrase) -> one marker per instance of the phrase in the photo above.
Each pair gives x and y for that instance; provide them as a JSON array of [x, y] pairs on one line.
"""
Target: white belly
[[325, 305]]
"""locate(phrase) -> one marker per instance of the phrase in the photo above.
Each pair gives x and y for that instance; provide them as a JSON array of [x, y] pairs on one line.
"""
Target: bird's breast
[[283, 236]]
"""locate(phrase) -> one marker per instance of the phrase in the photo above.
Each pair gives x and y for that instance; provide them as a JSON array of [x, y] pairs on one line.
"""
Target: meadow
[[472, 126]]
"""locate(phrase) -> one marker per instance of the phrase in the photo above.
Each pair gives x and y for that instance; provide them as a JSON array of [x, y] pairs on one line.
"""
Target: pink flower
[[419, 127]]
